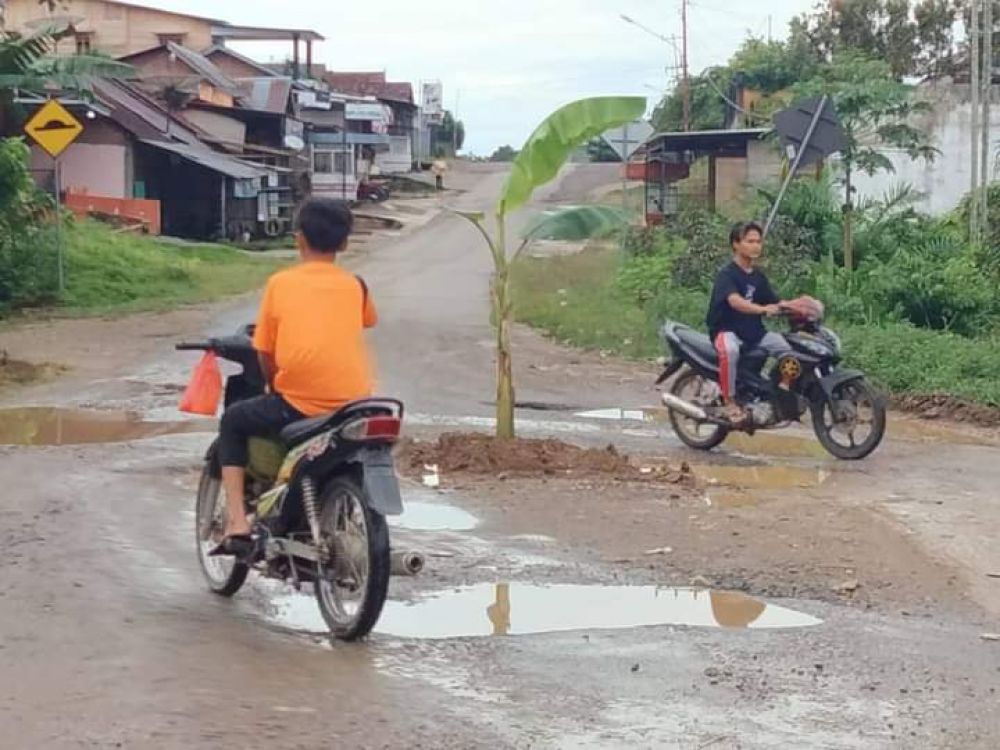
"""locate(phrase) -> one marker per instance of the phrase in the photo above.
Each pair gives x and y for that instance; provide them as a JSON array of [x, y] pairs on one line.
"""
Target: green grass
[[107, 272], [575, 300]]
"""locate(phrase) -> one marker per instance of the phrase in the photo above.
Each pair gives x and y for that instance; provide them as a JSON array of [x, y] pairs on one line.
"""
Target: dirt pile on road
[[16, 372], [463, 453], [940, 406]]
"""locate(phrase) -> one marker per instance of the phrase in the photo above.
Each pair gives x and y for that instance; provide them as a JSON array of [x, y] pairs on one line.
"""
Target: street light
[[686, 84]]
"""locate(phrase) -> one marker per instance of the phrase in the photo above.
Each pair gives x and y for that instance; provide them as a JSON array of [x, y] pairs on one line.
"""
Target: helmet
[[805, 310]]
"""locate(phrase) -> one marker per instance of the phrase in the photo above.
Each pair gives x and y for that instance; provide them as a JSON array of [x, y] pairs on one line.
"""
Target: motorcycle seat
[[699, 344], [702, 346], [306, 429]]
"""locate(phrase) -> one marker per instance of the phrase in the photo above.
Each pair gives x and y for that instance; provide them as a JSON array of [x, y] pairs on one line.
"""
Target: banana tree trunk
[[848, 225], [502, 310]]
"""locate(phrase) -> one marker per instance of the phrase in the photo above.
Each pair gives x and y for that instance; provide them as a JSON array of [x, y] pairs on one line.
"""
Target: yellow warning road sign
[[53, 128]]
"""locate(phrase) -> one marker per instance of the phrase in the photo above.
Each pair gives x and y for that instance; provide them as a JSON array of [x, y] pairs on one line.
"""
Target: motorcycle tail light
[[382, 429]]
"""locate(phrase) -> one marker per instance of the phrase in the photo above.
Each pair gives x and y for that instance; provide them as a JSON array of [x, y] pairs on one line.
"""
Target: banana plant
[[541, 158]]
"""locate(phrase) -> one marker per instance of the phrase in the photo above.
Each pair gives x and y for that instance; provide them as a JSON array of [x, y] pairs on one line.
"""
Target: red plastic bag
[[205, 389]]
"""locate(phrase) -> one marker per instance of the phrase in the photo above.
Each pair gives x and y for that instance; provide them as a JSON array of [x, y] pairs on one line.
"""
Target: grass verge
[[575, 299], [108, 272]]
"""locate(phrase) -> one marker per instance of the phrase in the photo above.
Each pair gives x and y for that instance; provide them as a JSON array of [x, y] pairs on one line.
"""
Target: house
[[118, 28], [134, 148], [403, 126], [735, 160]]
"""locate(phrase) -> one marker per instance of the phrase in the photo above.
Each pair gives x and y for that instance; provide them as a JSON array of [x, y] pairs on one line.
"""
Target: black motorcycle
[[318, 497], [848, 414]]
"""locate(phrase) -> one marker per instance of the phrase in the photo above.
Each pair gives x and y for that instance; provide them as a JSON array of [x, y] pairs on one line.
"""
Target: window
[[330, 161], [172, 37], [84, 42]]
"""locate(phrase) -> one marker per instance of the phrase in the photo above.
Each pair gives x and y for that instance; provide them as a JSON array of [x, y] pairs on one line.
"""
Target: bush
[[28, 274]]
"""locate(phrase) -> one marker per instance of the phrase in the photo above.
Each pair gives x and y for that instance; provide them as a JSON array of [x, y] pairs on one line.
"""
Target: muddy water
[[53, 426], [763, 477], [420, 515], [521, 609]]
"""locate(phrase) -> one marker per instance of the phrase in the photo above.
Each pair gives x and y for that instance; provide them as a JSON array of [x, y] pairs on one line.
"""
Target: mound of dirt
[[464, 453], [940, 406], [16, 372]]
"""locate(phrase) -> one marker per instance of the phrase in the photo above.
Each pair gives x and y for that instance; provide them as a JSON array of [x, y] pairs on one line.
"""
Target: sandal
[[237, 545], [736, 414]]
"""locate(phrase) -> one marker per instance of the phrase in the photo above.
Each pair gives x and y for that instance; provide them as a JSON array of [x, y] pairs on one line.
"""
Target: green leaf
[[575, 223], [548, 148]]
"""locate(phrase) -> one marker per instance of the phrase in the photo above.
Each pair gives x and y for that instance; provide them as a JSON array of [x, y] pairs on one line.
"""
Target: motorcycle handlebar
[[201, 346]]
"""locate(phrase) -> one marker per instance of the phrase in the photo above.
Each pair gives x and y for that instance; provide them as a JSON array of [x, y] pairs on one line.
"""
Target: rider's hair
[[325, 223], [740, 231]]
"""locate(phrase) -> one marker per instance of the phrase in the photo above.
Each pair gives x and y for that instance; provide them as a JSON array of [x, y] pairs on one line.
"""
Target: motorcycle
[[808, 379], [317, 497]]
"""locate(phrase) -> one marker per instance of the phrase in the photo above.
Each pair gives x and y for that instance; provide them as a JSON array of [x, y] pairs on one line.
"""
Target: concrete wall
[[91, 168], [398, 159], [117, 29], [944, 181]]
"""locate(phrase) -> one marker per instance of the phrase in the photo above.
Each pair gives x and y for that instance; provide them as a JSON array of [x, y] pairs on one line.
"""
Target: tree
[[504, 154], [935, 21], [875, 111], [539, 161], [913, 38], [450, 135], [708, 110], [27, 64]]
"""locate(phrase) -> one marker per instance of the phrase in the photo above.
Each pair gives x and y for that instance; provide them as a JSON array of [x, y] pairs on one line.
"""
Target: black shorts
[[262, 416]]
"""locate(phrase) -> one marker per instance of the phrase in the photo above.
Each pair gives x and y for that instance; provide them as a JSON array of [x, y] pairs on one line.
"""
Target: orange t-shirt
[[312, 322]]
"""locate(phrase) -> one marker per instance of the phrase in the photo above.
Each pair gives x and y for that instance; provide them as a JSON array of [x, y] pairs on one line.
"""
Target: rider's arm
[[268, 368], [741, 305], [266, 334]]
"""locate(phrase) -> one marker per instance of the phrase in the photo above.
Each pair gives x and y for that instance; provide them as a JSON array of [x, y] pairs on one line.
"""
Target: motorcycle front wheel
[[850, 424], [353, 583], [224, 575]]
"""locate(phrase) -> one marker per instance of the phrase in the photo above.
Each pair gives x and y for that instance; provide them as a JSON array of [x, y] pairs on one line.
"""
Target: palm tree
[[28, 63]]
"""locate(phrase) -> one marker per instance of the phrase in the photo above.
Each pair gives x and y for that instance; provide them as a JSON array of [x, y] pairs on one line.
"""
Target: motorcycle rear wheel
[[702, 436], [852, 405], [355, 581], [224, 575]]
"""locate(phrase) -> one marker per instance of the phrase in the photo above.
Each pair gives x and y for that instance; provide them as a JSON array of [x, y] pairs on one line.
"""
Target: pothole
[[509, 609], [55, 426], [420, 515]]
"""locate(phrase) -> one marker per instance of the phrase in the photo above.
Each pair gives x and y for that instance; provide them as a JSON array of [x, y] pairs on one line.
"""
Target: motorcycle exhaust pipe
[[407, 563], [686, 408]]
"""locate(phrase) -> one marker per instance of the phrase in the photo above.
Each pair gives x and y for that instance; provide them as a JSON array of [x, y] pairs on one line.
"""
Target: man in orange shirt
[[310, 338]]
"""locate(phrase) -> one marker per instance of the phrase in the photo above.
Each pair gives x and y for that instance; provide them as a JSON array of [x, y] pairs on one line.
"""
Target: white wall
[[99, 170], [944, 181], [398, 159]]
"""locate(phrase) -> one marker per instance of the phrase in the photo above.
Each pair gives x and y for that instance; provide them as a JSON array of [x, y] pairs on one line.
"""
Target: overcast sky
[[505, 65]]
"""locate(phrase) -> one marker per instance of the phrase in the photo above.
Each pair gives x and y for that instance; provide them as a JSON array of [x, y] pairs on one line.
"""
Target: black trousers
[[262, 416]]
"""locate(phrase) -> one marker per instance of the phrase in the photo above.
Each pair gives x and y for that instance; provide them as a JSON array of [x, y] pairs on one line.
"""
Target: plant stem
[[502, 312]]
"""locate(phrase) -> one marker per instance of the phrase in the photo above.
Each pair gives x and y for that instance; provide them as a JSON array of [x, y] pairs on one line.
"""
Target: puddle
[[614, 415], [53, 426], [424, 516], [762, 477], [521, 609], [772, 444], [916, 431]]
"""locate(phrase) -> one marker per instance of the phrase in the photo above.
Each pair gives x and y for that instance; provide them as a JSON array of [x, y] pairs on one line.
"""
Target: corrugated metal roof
[[204, 67], [266, 94], [204, 157]]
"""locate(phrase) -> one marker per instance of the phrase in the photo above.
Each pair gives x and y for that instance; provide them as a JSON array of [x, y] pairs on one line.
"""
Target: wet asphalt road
[[108, 638]]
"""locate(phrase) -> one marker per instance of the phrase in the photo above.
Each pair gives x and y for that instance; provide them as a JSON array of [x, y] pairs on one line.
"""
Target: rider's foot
[[237, 545], [735, 413]]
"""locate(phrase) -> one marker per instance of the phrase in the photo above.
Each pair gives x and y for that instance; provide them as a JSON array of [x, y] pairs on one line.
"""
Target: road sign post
[[54, 128]]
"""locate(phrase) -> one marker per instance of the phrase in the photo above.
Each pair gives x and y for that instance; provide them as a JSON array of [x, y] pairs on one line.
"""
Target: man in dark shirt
[[742, 296]]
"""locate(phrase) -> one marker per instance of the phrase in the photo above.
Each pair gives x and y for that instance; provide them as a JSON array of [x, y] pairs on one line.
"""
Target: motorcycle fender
[[380, 481], [670, 371], [837, 378]]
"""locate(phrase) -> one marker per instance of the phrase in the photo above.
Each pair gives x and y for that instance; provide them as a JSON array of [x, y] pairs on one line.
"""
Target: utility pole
[[684, 65], [986, 81], [974, 96], [770, 20]]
